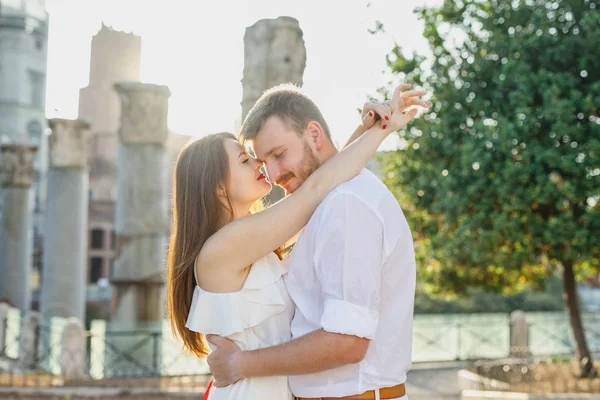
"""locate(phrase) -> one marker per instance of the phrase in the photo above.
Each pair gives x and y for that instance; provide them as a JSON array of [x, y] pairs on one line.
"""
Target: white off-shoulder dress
[[257, 316]]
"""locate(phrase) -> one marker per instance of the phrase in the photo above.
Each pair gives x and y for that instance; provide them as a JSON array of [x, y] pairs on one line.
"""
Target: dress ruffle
[[224, 314]]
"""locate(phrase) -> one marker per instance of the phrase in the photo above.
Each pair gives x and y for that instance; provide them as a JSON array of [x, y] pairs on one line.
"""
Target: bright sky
[[196, 48]]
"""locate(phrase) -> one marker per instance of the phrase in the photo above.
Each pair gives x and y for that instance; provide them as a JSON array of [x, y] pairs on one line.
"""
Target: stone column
[[16, 241], [73, 351], [29, 340], [4, 308], [274, 53], [141, 226], [64, 279], [142, 221], [519, 334]]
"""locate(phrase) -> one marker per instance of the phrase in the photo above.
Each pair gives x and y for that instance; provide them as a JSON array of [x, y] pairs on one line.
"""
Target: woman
[[216, 185]]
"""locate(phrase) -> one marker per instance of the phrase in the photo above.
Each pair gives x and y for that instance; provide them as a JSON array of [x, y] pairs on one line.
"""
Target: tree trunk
[[572, 300]]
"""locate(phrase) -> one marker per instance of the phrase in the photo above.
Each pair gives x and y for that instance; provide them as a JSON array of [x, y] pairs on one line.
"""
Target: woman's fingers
[[402, 100], [387, 115], [368, 119], [415, 101], [398, 92], [406, 96], [401, 121], [374, 111], [411, 114]]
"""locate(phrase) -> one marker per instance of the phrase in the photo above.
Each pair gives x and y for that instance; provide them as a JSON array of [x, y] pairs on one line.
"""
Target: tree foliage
[[500, 181]]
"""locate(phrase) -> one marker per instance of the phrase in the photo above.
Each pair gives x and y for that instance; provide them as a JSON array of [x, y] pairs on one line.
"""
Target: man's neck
[[327, 152]]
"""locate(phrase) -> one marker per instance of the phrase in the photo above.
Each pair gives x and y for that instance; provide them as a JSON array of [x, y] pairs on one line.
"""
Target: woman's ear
[[221, 191]]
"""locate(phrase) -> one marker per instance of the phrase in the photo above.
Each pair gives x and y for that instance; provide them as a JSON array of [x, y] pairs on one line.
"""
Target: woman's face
[[247, 184]]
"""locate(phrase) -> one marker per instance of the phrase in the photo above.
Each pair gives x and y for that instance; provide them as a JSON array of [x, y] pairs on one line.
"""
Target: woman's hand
[[402, 101], [374, 111]]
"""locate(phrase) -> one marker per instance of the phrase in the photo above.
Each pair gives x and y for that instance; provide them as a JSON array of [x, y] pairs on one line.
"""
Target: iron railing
[[134, 359], [152, 358]]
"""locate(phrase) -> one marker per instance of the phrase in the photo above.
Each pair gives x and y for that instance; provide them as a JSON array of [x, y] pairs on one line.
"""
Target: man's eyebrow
[[268, 153], [274, 149]]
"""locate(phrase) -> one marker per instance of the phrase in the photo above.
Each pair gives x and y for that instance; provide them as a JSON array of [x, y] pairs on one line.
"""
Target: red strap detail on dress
[[208, 389]]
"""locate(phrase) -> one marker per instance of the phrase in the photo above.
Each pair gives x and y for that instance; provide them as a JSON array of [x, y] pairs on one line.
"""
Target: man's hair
[[286, 102]]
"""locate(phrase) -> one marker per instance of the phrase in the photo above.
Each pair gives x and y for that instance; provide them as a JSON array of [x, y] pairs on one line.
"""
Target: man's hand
[[224, 361]]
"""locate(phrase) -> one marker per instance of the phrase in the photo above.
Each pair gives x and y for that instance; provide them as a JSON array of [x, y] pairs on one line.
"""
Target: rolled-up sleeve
[[348, 261]]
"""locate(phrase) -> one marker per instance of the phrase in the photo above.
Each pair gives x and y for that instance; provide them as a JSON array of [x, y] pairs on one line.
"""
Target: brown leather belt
[[384, 393]]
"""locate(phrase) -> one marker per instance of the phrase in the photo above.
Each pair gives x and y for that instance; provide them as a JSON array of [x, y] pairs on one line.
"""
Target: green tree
[[500, 180]]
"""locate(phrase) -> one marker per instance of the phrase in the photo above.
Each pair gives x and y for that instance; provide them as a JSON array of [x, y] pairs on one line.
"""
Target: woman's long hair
[[197, 213]]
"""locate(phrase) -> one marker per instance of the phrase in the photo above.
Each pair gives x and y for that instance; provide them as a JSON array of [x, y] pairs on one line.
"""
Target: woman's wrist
[[378, 131]]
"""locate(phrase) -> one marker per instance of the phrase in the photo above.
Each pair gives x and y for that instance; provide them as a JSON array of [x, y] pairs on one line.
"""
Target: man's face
[[288, 157]]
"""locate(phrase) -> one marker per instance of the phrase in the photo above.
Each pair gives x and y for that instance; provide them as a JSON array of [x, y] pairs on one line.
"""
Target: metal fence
[[551, 334], [460, 341], [60, 353], [489, 336]]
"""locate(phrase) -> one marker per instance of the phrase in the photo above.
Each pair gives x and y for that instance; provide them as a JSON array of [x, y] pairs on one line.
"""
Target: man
[[352, 272]]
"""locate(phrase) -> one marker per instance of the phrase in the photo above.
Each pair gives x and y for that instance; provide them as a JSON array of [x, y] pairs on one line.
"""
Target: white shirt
[[352, 271]]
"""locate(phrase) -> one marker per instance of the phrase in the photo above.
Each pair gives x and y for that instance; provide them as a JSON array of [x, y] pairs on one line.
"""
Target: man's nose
[[273, 171]]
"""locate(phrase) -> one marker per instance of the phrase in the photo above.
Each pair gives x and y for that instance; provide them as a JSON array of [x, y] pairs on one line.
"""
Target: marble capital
[[16, 165], [69, 143], [144, 111]]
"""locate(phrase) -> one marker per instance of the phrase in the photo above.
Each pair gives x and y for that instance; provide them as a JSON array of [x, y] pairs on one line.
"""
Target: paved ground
[[434, 381], [425, 382]]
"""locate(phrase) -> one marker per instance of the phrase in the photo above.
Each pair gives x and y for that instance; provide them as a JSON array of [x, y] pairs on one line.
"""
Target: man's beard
[[307, 165]]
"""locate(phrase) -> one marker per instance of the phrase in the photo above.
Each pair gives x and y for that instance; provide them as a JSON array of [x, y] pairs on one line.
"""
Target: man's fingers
[[221, 383]]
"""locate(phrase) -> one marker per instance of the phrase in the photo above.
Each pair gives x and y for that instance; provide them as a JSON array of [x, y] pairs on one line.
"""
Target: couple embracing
[[333, 317]]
